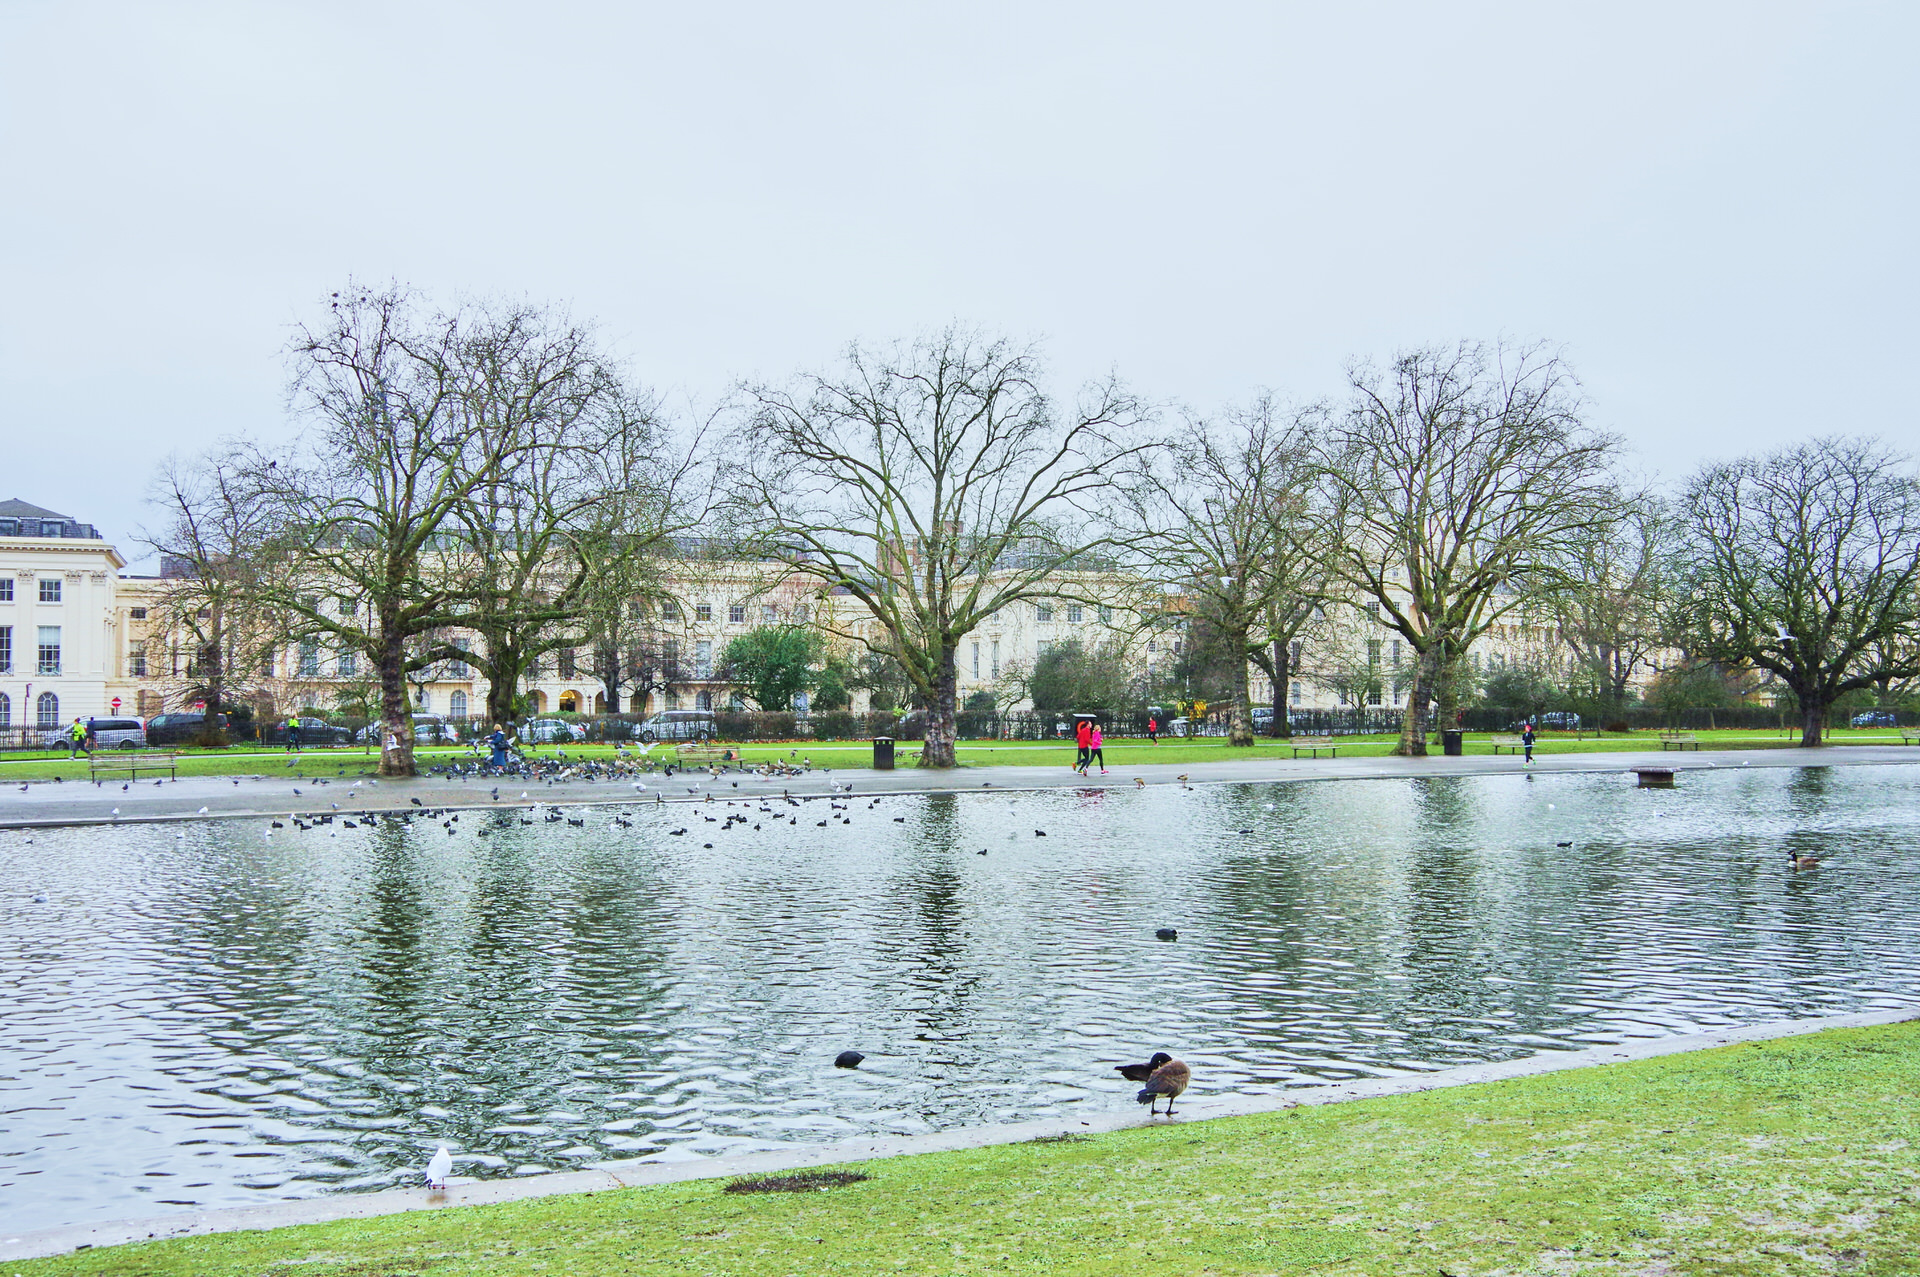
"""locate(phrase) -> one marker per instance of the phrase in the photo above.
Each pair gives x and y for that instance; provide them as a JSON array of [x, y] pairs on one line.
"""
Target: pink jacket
[[1093, 739]]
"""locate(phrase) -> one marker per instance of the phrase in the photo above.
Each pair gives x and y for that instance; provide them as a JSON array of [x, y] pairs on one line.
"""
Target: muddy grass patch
[[797, 1182]]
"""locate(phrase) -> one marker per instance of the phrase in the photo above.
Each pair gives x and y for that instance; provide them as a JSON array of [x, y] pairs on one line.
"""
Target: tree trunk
[[1282, 688], [1446, 694], [938, 749], [1813, 719], [503, 681], [1413, 724], [396, 712], [1239, 712]]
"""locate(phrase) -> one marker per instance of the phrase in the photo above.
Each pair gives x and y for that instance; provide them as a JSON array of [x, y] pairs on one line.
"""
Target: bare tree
[[1227, 514], [933, 483], [1806, 564], [414, 418], [1614, 606], [1463, 479], [213, 522]]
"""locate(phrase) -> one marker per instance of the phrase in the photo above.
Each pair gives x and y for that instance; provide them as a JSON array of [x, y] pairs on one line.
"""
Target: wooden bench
[[131, 765], [1678, 740], [703, 755], [1507, 742], [1314, 743], [1910, 735]]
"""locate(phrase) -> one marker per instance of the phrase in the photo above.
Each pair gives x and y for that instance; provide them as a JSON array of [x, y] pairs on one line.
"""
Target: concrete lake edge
[[638, 1173]]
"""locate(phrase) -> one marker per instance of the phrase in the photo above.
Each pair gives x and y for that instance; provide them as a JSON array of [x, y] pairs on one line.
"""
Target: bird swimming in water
[[1170, 1079], [848, 1060], [1141, 1072], [1799, 861]]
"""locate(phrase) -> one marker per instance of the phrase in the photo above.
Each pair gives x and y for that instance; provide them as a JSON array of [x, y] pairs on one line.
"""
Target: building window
[[1396, 654], [1106, 615], [457, 705], [703, 611], [137, 613], [703, 660], [672, 700], [1073, 613], [348, 664], [49, 589], [769, 613], [736, 613], [703, 700], [976, 660], [137, 660], [47, 710], [1373, 696], [568, 664], [6, 649], [1296, 691], [1373, 656], [6, 590], [737, 703], [1043, 611], [637, 703], [6, 710], [9, 527], [996, 658], [49, 649], [800, 614], [669, 610], [309, 658], [426, 698]]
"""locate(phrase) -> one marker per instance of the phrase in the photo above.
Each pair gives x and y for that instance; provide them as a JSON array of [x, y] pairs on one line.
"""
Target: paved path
[[80, 802]]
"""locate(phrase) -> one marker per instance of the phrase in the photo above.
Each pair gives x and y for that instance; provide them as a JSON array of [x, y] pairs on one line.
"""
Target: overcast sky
[[1711, 207]]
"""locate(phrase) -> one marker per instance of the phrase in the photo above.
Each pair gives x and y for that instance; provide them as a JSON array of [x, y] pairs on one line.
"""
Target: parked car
[[1553, 721], [678, 724], [108, 733], [178, 729], [548, 731], [428, 729], [313, 731], [1875, 718], [118, 733]]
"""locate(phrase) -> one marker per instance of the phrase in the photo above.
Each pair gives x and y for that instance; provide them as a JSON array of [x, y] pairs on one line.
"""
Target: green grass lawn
[[1789, 1157], [1122, 752]]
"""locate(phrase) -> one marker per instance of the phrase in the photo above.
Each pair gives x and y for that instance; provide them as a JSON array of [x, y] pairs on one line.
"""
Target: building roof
[[18, 509]]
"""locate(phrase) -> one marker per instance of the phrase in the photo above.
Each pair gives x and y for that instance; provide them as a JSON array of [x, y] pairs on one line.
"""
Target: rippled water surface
[[226, 1018]]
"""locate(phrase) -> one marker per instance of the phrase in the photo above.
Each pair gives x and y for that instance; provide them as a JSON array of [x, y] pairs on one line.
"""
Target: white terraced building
[[60, 629]]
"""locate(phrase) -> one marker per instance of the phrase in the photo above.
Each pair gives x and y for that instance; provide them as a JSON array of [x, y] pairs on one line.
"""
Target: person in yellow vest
[[77, 739]]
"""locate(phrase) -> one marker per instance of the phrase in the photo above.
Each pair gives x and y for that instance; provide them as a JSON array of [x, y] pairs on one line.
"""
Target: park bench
[[704, 755], [1678, 740], [1513, 744], [1910, 735], [1314, 743], [131, 765]]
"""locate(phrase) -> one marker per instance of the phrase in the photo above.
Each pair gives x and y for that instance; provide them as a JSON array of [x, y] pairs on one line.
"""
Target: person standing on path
[[497, 742], [1526, 737], [1094, 752], [293, 735], [1082, 735]]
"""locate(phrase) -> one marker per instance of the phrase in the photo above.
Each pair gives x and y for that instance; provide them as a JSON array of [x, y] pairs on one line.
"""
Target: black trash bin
[[1450, 743], [883, 753]]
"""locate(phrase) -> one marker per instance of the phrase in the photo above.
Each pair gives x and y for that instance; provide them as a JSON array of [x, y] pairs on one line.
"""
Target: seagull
[[1785, 637], [439, 1166], [201, 812]]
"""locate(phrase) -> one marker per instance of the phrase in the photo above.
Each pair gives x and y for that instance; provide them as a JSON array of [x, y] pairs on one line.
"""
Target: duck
[[1170, 1079], [1798, 861], [1141, 1072]]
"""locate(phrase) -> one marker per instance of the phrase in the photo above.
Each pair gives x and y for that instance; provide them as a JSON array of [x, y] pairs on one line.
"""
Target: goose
[[1170, 1079], [1141, 1072], [1798, 861]]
